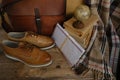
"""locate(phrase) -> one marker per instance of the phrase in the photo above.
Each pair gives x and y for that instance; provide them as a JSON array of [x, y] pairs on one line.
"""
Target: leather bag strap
[[38, 20], [3, 8]]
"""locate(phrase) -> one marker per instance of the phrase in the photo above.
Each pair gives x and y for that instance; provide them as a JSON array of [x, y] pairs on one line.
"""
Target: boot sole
[[48, 47], [16, 59]]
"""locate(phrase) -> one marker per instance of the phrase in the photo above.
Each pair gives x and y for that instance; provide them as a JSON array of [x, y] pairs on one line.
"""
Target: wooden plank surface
[[58, 70]]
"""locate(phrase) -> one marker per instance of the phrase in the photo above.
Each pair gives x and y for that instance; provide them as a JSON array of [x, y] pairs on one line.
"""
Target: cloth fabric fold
[[98, 57]]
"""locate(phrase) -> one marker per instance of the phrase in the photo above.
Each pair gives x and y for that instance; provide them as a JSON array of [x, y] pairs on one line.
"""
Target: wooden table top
[[58, 70]]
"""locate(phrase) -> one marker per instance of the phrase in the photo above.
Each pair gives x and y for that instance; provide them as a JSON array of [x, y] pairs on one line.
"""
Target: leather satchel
[[38, 16]]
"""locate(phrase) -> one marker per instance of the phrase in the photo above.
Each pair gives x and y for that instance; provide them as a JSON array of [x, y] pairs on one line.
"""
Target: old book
[[70, 48]]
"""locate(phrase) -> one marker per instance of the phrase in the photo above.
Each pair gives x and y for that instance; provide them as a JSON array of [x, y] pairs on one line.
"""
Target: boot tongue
[[26, 46], [22, 44], [31, 34]]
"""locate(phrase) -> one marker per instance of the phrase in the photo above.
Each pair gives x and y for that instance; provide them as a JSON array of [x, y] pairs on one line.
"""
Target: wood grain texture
[[58, 70]]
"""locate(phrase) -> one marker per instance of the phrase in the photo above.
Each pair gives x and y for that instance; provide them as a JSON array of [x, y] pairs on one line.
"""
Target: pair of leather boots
[[28, 48]]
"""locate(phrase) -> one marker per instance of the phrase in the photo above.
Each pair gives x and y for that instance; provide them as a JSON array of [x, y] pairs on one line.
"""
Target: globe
[[82, 12]]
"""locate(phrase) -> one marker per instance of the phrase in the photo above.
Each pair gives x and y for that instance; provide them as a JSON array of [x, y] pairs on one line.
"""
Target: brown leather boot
[[44, 42], [26, 53]]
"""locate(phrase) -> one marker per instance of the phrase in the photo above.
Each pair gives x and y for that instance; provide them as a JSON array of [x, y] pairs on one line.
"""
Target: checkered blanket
[[100, 56], [115, 16]]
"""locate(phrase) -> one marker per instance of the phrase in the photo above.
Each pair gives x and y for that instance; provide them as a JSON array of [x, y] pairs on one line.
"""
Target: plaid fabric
[[98, 56], [115, 48], [114, 39]]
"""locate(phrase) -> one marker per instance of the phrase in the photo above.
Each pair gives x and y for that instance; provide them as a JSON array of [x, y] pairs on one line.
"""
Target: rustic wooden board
[[58, 70]]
